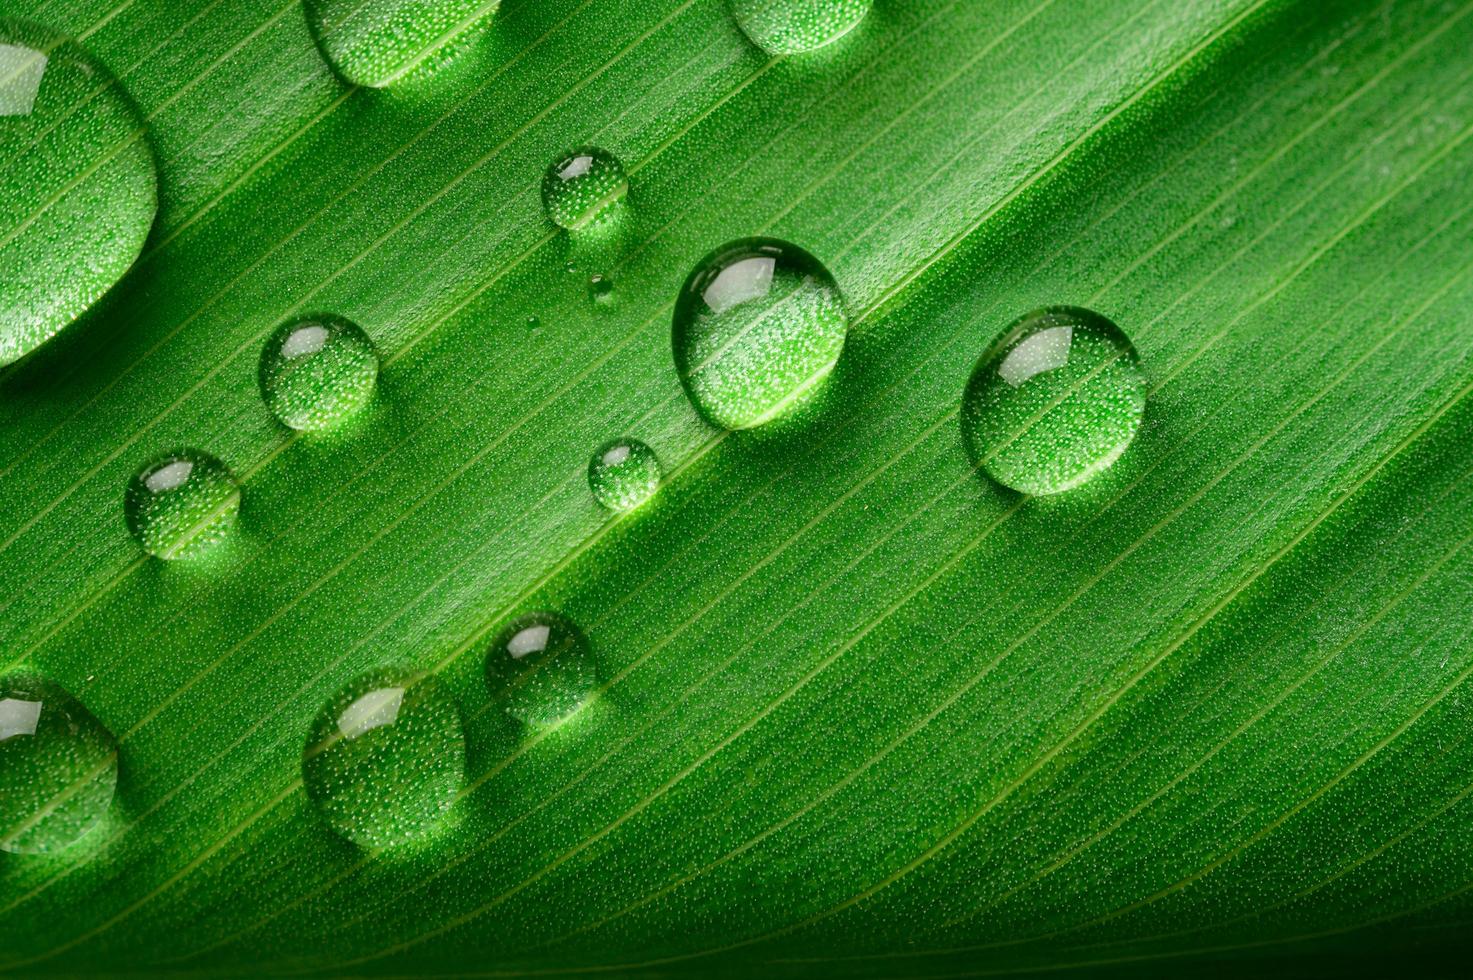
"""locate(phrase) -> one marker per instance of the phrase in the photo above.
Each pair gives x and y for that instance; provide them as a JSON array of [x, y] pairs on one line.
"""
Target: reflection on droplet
[[601, 288], [623, 474], [385, 758], [1054, 401], [582, 186], [794, 26], [181, 503], [317, 371], [78, 189], [378, 42], [58, 766], [758, 326], [540, 668]]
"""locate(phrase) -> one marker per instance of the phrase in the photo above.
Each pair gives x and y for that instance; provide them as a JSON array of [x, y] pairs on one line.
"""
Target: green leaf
[[859, 710]]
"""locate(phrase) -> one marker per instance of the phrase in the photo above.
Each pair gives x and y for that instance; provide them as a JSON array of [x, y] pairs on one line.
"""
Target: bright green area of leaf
[[860, 711]]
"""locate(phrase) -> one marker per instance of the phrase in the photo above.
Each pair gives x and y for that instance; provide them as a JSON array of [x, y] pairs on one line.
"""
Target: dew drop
[[601, 288], [181, 503], [78, 188], [378, 42], [58, 766], [582, 186], [533, 323], [385, 758], [1054, 401], [758, 326], [794, 26], [540, 668], [623, 474], [317, 371]]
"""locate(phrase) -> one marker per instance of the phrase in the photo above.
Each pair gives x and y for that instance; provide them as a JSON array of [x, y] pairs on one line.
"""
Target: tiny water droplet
[[78, 187], [385, 758], [540, 668], [316, 371], [533, 323], [601, 288], [623, 474], [58, 766], [181, 503], [758, 326], [378, 42], [581, 186], [794, 26], [1054, 401]]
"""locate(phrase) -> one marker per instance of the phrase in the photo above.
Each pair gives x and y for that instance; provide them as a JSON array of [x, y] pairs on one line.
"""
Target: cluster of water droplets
[[386, 756], [758, 327]]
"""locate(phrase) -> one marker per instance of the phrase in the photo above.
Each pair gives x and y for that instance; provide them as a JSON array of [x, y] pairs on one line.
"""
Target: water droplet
[[623, 474], [540, 668], [533, 323], [78, 189], [317, 371], [794, 26], [385, 758], [758, 327], [58, 766], [181, 503], [581, 186], [378, 42], [1054, 401], [601, 288]]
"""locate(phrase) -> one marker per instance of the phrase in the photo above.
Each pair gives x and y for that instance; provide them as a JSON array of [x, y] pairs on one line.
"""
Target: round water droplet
[[317, 371], [533, 323], [385, 758], [181, 503], [581, 186], [58, 766], [624, 474], [793, 26], [78, 189], [1055, 400], [378, 42], [540, 668], [601, 288], [758, 327]]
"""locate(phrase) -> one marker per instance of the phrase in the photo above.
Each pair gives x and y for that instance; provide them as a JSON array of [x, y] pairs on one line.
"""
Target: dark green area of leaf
[[860, 711]]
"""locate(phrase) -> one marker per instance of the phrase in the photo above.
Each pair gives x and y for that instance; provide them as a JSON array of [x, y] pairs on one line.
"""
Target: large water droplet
[[793, 26], [58, 766], [758, 326], [623, 474], [581, 186], [385, 758], [1055, 400], [181, 503], [540, 668], [78, 189], [378, 42], [317, 371]]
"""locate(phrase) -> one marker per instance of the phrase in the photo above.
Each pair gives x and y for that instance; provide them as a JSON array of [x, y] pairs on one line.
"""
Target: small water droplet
[[794, 26], [378, 42], [601, 288], [317, 371], [181, 503], [581, 186], [623, 474], [385, 758], [533, 323], [1054, 401], [78, 187], [540, 668], [58, 766], [758, 326]]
